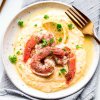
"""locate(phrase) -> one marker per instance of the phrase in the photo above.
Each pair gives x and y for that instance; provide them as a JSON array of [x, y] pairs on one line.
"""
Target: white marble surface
[[10, 8]]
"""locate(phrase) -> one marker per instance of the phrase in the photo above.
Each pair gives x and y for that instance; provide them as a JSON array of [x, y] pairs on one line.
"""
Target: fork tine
[[73, 19], [76, 16], [79, 16], [85, 18]]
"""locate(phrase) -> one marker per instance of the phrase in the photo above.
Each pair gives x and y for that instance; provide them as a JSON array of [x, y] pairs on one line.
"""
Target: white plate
[[12, 73]]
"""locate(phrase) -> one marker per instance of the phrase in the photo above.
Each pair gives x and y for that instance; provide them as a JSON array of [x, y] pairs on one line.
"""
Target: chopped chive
[[46, 16], [59, 73], [66, 37], [44, 42], [20, 23], [60, 39], [56, 59], [70, 26], [18, 52], [41, 30], [51, 40], [78, 46], [59, 27], [51, 52], [13, 59], [64, 49], [35, 25], [21, 38], [62, 71], [20, 67]]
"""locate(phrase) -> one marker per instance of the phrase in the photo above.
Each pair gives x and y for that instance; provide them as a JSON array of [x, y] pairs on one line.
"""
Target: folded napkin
[[92, 9]]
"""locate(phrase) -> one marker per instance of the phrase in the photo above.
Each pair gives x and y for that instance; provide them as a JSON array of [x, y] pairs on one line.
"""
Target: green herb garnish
[[18, 52], [59, 73], [20, 23], [41, 30], [72, 42], [51, 40], [46, 16], [44, 42], [35, 25], [60, 39], [66, 37], [78, 46], [20, 67], [13, 59], [56, 59], [70, 26], [51, 52], [64, 49], [62, 71], [21, 38], [59, 27]]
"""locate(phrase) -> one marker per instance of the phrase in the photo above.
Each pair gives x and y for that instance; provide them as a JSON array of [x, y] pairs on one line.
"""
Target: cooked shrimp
[[67, 58], [28, 48], [30, 45], [60, 60], [58, 51], [38, 67], [45, 68], [61, 55], [71, 68]]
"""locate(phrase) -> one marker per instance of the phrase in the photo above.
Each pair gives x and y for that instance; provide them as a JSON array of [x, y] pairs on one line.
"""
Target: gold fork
[[2, 4], [82, 22]]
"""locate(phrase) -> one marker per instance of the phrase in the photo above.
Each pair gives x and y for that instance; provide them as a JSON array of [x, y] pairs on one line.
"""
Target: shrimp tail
[[71, 68], [28, 48]]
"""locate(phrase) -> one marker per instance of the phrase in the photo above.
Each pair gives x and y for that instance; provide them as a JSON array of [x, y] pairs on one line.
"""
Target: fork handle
[[95, 37]]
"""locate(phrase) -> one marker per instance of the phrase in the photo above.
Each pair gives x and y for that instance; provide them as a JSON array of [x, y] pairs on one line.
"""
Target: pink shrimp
[[40, 68], [67, 58], [30, 45], [71, 67], [28, 48], [59, 52], [60, 60], [60, 55]]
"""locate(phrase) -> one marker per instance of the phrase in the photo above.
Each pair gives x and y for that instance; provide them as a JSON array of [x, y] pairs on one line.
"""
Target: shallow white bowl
[[11, 71]]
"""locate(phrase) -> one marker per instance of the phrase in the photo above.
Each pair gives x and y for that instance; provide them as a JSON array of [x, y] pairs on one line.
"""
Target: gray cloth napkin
[[92, 9]]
